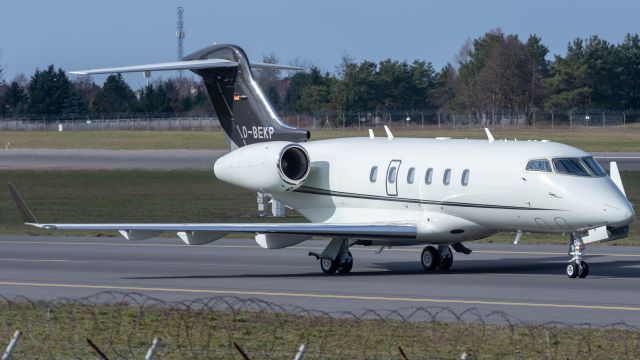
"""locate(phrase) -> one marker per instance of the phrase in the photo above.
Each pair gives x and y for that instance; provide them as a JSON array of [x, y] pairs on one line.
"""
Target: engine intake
[[294, 164], [271, 166]]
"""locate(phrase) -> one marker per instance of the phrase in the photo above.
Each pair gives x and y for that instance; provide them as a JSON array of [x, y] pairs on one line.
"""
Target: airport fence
[[114, 325], [407, 119]]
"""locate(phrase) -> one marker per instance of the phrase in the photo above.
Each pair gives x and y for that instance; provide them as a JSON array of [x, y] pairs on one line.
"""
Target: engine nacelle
[[270, 166]]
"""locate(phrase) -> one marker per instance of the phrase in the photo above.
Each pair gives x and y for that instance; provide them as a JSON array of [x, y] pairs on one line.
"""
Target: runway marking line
[[505, 252], [324, 296]]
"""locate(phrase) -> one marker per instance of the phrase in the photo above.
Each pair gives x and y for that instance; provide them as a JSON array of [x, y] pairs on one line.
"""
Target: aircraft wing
[[139, 231]]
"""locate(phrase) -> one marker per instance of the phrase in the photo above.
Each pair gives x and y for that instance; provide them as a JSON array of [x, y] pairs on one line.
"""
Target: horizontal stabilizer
[[275, 66], [181, 65], [176, 65]]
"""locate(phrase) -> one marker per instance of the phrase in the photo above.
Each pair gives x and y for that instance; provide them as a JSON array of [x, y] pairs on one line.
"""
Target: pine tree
[[49, 91], [14, 99], [115, 97]]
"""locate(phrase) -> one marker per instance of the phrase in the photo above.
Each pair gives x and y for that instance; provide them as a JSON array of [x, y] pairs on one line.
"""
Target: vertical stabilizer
[[244, 112]]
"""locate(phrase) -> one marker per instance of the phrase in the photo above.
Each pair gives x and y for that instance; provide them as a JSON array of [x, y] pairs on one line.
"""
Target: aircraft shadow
[[525, 266]]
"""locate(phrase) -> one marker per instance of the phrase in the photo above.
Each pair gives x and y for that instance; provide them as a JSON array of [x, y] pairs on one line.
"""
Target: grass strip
[[209, 329], [616, 139]]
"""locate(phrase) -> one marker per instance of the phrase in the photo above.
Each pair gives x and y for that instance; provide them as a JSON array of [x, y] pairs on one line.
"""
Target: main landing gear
[[335, 258], [440, 258], [576, 266]]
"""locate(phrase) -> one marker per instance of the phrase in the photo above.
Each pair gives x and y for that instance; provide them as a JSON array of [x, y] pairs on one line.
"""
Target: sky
[[78, 34]]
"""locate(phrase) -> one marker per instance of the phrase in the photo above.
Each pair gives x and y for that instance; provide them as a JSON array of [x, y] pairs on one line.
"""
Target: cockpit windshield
[[585, 166], [593, 166]]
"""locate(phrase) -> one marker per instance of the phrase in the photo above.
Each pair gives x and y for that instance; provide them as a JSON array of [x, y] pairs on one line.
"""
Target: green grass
[[170, 196], [590, 139], [122, 331]]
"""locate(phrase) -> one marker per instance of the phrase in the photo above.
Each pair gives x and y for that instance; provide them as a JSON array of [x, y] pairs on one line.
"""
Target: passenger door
[[392, 177]]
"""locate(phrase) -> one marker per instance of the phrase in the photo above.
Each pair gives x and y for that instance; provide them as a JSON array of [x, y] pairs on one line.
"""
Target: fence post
[[12, 345], [300, 353], [551, 119], [603, 120], [152, 349], [624, 120], [438, 119], [422, 117]]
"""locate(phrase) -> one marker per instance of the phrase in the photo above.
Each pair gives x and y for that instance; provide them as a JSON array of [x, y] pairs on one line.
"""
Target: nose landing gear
[[577, 267]]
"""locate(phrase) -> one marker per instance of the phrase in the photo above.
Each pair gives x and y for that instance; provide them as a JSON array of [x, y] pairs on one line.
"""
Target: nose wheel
[[577, 267]]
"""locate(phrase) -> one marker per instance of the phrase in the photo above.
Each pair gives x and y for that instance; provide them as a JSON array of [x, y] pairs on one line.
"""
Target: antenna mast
[[180, 36]]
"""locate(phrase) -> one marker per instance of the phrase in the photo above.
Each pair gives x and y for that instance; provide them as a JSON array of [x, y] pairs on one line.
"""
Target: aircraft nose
[[619, 214]]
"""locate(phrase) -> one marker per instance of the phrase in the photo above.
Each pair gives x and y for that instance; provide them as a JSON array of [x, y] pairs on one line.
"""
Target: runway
[[49, 159], [525, 281]]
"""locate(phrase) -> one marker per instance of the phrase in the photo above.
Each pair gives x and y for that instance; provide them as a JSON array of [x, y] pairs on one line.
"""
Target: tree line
[[494, 72]]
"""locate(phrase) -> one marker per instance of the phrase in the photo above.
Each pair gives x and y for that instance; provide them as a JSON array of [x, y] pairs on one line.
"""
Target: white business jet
[[385, 191]]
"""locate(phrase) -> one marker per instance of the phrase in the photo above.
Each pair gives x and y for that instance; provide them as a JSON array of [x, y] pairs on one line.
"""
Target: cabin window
[[428, 177], [411, 175], [391, 178], [539, 165], [446, 179], [373, 176], [593, 166], [465, 177], [571, 166]]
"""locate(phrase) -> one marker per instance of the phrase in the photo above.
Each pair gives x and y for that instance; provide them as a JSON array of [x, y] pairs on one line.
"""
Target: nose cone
[[619, 213]]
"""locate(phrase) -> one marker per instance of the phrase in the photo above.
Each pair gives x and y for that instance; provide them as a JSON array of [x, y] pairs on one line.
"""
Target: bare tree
[[1, 69], [345, 60]]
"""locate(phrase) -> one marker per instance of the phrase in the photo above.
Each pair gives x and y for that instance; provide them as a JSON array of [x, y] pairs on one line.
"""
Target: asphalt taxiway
[[525, 281], [49, 159]]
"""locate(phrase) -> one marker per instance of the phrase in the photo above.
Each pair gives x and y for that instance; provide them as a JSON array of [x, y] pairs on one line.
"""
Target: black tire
[[346, 267], [572, 269], [328, 266], [446, 262], [583, 270], [430, 258]]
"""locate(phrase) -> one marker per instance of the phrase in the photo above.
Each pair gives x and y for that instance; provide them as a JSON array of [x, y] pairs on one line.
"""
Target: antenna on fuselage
[[489, 135], [371, 135], [389, 134]]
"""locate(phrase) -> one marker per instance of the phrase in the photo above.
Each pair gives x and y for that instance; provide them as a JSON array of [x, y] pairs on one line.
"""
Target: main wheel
[[328, 266], [346, 266], [446, 262], [572, 269], [430, 258], [583, 269]]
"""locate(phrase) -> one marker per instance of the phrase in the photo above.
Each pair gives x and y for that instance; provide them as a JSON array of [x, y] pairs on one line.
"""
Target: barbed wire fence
[[115, 325], [329, 120]]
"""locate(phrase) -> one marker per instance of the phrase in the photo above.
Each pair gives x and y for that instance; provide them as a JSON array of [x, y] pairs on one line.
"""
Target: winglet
[[489, 135], [27, 215], [614, 174]]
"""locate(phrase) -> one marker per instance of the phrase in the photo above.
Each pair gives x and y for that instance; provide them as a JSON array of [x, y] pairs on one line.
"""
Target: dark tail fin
[[244, 112]]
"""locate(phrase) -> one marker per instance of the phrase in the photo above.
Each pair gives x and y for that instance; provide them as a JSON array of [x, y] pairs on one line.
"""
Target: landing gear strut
[[577, 267], [343, 262]]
